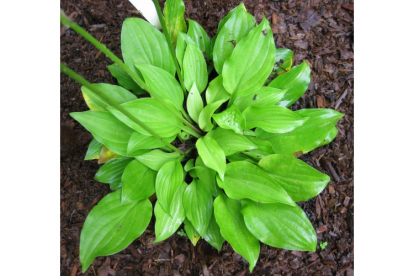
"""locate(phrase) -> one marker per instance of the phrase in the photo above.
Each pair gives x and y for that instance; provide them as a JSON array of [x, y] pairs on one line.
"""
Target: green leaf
[[284, 60], [151, 113], [169, 178], [174, 18], [296, 81], [246, 180], [211, 154], [200, 37], [94, 150], [112, 226], [194, 68], [263, 149], [231, 142], [163, 84], [241, 157], [106, 155], [206, 176], [204, 119], [194, 103], [142, 43], [298, 179], [234, 230], [274, 119], [106, 129], [216, 91], [231, 118], [251, 61], [111, 172], [192, 234], [166, 224], [155, 159], [198, 205], [189, 165], [213, 235], [124, 79], [116, 93], [265, 96], [315, 132], [235, 27], [182, 41], [138, 182], [280, 225], [138, 143]]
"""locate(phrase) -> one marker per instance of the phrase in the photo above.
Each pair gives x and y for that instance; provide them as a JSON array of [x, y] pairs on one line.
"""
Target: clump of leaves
[[216, 147]]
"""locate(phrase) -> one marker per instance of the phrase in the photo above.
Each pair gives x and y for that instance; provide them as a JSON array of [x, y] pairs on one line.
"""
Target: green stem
[[88, 85], [169, 42], [68, 22]]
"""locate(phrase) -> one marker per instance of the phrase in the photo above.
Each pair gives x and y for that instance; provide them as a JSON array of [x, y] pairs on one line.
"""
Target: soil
[[318, 31]]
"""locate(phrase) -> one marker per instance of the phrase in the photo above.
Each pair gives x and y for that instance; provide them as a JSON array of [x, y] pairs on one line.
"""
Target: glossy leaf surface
[[204, 120], [231, 118], [231, 142], [194, 103], [280, 225], [200, 37], [216, 91], [155, 159], [111, 171], [298, 179], [234, 230], [174, 18], [94, 150], [111, 227], [139, 142], [124, 79], [211, 154], [265, 96], [194, 68], [284, 60], [169, 178]]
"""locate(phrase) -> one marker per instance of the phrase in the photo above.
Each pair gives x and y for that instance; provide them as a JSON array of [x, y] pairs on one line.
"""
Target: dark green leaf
[[231, 142], [213, 235], [138, 182], [194, 68], [174, 18], [111, 172], [298, 179], [139, 143], [265, 96], [94, 150], [124, 79], [169, 178], [231, 118], [111, 227], [234, 230], [200, 37], [280, 225], [211, 154], [116, 93], [155, 159]]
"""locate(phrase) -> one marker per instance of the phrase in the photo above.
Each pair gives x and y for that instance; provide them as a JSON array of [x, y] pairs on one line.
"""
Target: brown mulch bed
[[318, 31]]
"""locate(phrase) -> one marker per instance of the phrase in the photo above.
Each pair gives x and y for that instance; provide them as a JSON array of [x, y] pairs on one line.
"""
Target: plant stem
[[88, 85], [68, 22], [169, 42]]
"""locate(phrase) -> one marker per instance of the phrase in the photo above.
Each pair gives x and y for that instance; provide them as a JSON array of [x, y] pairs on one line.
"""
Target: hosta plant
[[199, 133]]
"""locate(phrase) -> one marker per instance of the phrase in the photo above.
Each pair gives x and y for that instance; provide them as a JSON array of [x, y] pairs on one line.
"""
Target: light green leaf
[[280, 225], [211, 154], [138, 182], [94, 150], [155, 159], [142, 43], [235, 27], [163, 84], [246, 180], [112, 226], [216, 91], [204, 119], [296, 81], [298, 179], [169, 178], [192, 234], [106, 129], [166, 224], [194, 68], [182, 41], [234, 230], [174, 18], [265, 96], [284, 60], [206, 176], [213, 235], [189, 165], [315, 132], [116, 93], [241, 157], [274, 119], [194, 103], [111, 172], [200, 37], [138, 143], [231, 118], [251, 62], [151, 113], [231, 142], [198, 205], [263, 149], [124, 79]]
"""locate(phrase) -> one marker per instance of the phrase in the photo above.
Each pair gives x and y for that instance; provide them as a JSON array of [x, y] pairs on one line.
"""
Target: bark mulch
[[318, 31]]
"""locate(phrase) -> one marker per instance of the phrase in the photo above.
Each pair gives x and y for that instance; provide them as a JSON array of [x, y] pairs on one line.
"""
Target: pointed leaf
[[111, 227], [206, 176], [194, 103], [106, 155], [296, 81], [155, 159], [234, 230], [116, 93], [111, 172], [284, 60], [182, 41], [174, 18], [246, 180], [231, 142], [200, 37], [204, 120], [139, 142], [298, 179], [194, 68], [265, 96], [231, 118], [192, 234], [274, 119], [243, 73], [216, 91], [124, 79], [280, 225], [169, 178], [213, 235], [94, 150], [263, 149], [211, 154], [142, 43]]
